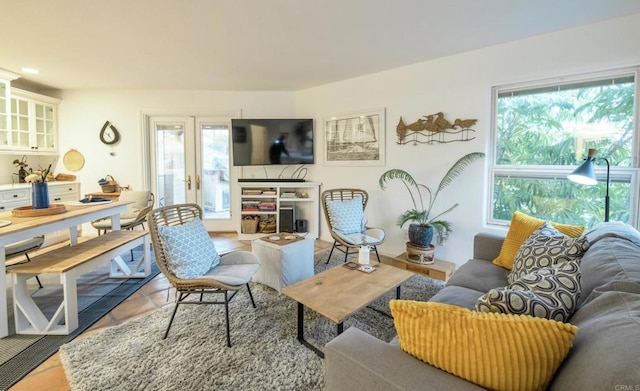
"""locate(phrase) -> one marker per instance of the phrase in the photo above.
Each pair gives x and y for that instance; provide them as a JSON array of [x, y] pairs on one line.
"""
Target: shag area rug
[[265, 354]]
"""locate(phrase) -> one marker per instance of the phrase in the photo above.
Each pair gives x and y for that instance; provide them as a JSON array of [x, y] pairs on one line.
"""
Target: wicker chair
[[372, 236], [137, 215], [238, 265]]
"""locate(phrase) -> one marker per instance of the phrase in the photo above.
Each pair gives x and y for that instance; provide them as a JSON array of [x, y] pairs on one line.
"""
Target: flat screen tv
[[272, 141]]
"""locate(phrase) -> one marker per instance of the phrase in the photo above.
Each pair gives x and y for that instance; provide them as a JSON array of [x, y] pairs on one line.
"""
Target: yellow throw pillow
[[522, 226], [494, 351]]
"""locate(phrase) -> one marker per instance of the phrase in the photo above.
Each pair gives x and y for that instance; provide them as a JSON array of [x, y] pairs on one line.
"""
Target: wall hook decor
[[435, 128]]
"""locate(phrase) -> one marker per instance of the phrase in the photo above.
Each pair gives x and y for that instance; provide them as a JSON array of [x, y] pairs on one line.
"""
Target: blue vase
[[420, 236], [40, 195]]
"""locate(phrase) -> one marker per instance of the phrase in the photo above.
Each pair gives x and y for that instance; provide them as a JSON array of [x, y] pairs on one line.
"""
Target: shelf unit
[[269, 197]]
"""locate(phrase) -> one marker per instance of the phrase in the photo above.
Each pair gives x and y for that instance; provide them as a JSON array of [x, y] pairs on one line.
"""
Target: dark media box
[[287, 219]]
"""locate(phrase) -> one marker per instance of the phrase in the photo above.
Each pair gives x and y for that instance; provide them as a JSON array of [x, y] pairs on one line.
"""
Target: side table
[[282, 265], [439, 270]]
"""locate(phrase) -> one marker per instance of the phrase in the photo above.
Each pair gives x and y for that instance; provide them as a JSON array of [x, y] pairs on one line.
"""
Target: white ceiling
[[261, 44]]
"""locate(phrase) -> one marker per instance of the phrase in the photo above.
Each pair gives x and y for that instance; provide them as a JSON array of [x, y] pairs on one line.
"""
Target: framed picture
[[355, 139]]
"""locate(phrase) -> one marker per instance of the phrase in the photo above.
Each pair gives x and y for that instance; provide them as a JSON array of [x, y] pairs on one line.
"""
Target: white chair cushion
[[106, 223], [24, 246], [372, 236], [140, 200], [237, 274], [347, 216], [191, 252]]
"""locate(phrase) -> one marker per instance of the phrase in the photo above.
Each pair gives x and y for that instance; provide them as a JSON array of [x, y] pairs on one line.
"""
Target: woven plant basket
[[250, 224]]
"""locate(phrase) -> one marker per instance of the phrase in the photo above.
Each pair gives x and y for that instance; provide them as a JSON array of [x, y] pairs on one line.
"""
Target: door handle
[[189, 182], [197, 182]]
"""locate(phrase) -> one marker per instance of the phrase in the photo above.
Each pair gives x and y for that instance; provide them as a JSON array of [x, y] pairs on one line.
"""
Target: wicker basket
[[267, 226], [111, 186], [250, 224]]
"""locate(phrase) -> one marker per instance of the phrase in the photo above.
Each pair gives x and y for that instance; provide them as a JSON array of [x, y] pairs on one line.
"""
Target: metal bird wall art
[[435, 128]]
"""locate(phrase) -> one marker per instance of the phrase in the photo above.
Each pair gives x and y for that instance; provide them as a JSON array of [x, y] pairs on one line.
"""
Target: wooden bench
[[70, 263]]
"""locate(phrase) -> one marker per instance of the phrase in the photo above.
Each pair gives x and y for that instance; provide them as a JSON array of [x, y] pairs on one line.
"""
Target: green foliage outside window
[[542, 134]]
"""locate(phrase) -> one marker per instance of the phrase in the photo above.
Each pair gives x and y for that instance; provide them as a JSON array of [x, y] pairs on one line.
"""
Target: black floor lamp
[[585, 175]]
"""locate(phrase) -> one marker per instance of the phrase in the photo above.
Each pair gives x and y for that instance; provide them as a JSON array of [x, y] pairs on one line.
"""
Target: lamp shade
[[584, 173]]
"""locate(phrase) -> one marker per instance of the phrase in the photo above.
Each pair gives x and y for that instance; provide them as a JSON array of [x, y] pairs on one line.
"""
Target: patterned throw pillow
[[494, 351], [546, 247], [191, 250], [522, 226], [550, 292], [346, 215]]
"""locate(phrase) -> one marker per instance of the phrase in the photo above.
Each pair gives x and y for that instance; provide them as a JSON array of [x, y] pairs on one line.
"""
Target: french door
[[190, 164]]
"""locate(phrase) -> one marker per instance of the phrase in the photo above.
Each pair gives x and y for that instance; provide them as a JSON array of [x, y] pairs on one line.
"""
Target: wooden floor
[[152, 297]]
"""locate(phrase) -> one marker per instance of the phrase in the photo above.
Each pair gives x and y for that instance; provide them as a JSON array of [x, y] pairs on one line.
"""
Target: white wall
[[459, 86], [83, 113]]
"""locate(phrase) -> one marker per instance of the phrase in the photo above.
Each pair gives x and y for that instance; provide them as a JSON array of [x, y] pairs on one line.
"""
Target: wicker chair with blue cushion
[[344, 211], [187, 257]]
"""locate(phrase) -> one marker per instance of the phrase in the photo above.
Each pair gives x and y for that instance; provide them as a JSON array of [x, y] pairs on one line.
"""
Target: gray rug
[[265, 354]]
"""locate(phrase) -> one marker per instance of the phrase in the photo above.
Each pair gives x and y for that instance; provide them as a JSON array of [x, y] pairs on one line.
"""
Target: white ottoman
[[282, 265]]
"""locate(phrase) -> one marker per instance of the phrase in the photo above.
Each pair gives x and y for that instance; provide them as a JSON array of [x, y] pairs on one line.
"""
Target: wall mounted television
[[258, 142]]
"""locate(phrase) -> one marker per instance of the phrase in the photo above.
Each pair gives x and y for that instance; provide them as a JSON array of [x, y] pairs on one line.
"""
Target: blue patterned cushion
[[346, 215], [550, 292], [546, 247], [191, 250]]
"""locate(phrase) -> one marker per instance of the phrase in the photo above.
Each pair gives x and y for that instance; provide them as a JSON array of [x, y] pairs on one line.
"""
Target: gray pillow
[[550, 292], [546, 247]]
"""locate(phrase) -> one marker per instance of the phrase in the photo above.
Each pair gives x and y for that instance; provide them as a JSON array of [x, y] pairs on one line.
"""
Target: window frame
[[626, 174]]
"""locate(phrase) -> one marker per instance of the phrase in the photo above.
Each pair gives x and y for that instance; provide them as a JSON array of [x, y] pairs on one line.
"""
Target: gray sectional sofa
[[605, 353]]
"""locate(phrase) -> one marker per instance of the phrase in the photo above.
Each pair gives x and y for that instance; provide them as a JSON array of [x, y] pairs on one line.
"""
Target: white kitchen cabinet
[[32, 124]]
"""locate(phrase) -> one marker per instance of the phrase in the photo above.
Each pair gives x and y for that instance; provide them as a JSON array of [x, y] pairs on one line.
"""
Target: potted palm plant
[[424, 224]]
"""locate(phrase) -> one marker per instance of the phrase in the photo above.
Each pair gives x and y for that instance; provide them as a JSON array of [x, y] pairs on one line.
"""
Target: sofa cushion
[[479, 275], [546, 247], [457, 295], [522, 226], [479, 347], [191, 250], [605, 351], [550, 292], [612, 260]]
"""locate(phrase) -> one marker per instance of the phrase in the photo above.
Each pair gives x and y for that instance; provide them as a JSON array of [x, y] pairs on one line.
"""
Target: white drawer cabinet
[[64, 193], [14, 196], [10, 199]]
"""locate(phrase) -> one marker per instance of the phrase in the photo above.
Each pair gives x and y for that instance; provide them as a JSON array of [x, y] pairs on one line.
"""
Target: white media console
[[267, 199]]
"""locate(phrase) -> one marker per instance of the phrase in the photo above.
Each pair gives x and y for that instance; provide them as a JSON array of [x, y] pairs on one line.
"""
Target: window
[[542, 131]]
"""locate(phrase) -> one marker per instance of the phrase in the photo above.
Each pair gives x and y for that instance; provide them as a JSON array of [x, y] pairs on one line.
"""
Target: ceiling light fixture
[[31, 71]]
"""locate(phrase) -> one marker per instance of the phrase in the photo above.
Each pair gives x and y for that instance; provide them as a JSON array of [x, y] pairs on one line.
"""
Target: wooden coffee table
[[339, 292]]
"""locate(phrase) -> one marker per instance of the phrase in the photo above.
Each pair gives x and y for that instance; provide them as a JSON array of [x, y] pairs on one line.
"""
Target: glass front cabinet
[[27, 121], [5, 108]]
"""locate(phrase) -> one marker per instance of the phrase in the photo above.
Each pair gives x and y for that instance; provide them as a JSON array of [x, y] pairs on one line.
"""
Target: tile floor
[[50, 376]]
